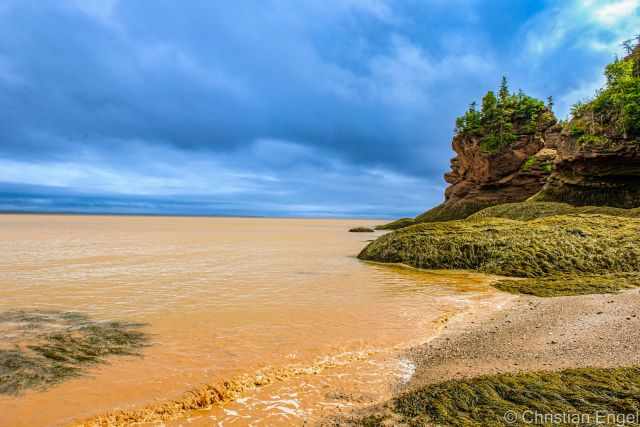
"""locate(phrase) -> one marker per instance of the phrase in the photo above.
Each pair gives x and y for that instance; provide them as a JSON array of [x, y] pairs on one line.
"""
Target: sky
[[338, 108]]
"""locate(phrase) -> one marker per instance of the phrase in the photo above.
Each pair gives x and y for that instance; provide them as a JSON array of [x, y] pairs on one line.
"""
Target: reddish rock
[[479, 179]]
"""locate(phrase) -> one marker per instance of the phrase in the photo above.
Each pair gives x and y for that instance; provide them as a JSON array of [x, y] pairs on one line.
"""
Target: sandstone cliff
[[479, 179], [504, 153]]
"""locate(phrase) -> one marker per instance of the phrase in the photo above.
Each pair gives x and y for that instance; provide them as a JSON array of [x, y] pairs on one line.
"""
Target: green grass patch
[[570, 284], [41, 348], [527, 211], [577, 244], [484, 401]]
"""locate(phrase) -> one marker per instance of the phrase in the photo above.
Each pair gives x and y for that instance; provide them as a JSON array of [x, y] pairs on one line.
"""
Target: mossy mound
[[361, 230], [527, 211], [450, 212], [41, 348], [586, 244], [513, 399], [570, 284], [397, 224]]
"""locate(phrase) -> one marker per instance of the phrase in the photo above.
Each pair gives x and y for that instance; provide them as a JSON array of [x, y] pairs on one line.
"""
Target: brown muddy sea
[[224, 298]]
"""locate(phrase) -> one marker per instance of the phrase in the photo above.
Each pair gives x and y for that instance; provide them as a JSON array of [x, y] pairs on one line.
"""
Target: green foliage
[[614, 113], [502, 118], [588, 139], [531, 162]]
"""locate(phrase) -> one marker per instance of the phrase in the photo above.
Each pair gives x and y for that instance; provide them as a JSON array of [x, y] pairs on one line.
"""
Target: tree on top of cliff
[[502, 118], [613, 115]]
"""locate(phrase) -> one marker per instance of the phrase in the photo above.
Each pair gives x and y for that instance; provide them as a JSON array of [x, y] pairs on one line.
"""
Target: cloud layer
[[332, 107]]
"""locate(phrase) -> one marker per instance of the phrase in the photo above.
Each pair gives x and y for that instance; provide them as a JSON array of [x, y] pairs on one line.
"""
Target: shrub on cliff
[[502, 118], [614, 113]]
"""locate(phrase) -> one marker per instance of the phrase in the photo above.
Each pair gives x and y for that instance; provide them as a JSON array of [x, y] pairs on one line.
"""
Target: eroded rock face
[[479, 179], [595, 174], [599, 152]]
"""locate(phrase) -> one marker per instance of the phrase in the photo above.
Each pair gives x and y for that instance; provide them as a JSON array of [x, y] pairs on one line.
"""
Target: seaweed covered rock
[[526, 211], [505, 152], [599, 151], [397, 224], [577, 244]]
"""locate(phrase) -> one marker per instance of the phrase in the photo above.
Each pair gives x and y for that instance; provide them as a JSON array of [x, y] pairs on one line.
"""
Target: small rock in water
[[361, 230]]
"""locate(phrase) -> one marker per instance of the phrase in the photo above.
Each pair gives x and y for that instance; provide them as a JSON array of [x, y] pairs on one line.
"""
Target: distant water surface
[[224, 297]]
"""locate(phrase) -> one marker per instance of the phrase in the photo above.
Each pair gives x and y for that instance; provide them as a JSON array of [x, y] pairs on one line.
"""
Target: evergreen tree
[[489, 111], [500, 118], [504, 91]]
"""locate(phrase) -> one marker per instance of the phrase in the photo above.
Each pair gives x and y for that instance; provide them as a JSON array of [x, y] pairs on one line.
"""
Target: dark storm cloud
[[273, 105]]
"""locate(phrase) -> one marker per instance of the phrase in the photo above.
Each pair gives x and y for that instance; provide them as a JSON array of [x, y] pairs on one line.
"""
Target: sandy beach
[[524, 334], [530, 334]]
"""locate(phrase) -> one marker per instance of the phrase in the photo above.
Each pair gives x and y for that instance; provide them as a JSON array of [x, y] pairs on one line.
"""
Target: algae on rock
[[527, 211], [558, 244], [41, 348]]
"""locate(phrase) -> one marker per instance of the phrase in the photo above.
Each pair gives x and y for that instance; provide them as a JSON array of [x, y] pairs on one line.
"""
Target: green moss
[[484, 401], [588, 139], [450, 212], [580, 244], [43, 348], [570, 284], [531, 162], [397, 224], [526, 211]]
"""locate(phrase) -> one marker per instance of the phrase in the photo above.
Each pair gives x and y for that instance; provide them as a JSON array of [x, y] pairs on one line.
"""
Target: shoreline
[[219, 395], [526, 334]]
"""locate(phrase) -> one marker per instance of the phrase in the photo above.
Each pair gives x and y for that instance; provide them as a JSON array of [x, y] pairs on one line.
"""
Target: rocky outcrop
[[599, 153], [601, 174], [479, 179]]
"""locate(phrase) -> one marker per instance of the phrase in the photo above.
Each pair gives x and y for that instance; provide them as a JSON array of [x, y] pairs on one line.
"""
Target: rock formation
[[479, 180], [599, 152], [600, 175], [483, 176], [513, 150]]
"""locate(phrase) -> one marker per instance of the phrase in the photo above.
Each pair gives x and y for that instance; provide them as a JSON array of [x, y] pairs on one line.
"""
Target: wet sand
[[519, 334], [533, 334], [223, 298]]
